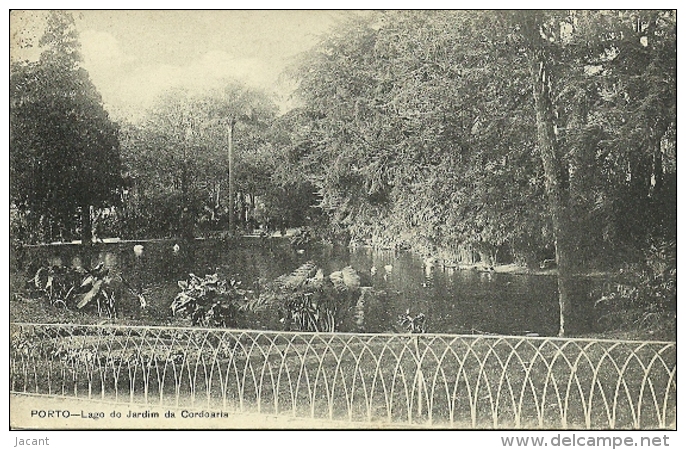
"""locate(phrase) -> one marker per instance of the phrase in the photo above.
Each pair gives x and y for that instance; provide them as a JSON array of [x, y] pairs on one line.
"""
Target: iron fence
[[420, 380]]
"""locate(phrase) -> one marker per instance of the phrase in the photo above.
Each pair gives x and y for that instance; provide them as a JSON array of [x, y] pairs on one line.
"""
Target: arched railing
[[420, 380]]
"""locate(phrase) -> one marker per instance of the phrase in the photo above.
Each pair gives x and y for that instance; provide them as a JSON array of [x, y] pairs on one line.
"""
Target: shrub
[[58, 284], [644, 293], [306, 300], [209, 301], [78, 287]]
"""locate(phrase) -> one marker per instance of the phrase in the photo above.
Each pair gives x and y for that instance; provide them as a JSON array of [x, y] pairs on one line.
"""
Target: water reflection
[[453, 300]]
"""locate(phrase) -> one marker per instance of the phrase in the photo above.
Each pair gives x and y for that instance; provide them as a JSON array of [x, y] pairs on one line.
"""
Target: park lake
[[453, 300]]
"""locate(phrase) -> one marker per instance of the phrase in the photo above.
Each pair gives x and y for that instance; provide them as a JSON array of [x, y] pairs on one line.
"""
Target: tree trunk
[[186, 221], [658, 172], [231, 181], [86, 225], [556, 179], [252, 221], [242, 210]]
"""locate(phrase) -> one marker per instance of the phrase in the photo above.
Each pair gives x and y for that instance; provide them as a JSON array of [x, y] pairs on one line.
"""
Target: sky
[[132, 56]]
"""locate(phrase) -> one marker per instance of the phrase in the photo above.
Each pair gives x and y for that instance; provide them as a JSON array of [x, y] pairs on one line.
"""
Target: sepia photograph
[[343, 220]]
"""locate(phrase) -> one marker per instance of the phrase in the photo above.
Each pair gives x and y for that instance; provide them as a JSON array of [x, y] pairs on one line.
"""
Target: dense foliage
[[78, 287], [64, 156], [469, 136], [209, 301], [497, 136], [425, 125], [643, 294], [177, 166]]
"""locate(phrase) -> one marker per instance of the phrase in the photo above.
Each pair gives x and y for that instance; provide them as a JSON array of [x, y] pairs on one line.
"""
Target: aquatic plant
[[58, 284], [79, 286], [307, 300], [209, 301], [105, 286], [303, 237]]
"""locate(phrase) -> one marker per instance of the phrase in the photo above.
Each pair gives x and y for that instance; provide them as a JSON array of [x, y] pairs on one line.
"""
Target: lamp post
[[232, 123]]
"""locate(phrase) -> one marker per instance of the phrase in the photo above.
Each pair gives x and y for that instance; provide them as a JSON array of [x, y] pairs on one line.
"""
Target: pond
[[453, 300]]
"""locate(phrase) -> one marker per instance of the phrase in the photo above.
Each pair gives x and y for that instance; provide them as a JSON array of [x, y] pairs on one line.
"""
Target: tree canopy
[[64, 149], [177, 159], [472, 136], [429, 117], [516, 134]]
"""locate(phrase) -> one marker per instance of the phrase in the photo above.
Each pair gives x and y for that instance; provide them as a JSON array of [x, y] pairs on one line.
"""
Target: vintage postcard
[[339, 219]]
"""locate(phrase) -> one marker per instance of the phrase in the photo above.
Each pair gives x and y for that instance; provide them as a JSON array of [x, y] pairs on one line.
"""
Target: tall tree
[[536, 40], [178, 158], [600, 79], [535, 131], [419, 132], [64, 149]]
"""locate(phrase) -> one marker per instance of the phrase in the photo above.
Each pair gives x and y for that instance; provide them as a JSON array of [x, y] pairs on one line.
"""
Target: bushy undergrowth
[[307, 300], [209, 301], [643, 295], [77, 288]]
